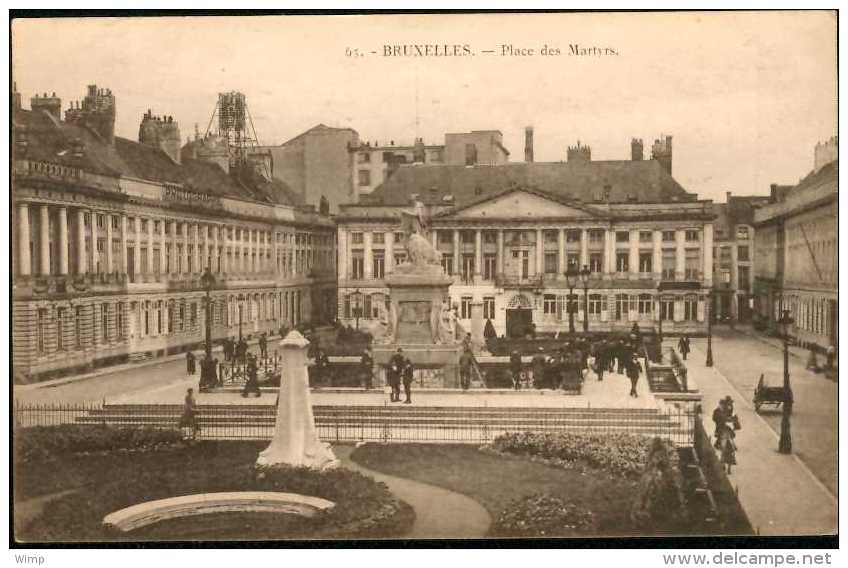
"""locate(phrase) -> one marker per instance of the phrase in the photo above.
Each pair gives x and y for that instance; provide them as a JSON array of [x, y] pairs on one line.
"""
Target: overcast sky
[[745, 95]]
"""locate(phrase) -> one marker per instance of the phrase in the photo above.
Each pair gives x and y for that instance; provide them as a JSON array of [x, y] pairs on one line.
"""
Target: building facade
[[733, 257], [111, 237], [373, 164], [797, 254], [508, 233]]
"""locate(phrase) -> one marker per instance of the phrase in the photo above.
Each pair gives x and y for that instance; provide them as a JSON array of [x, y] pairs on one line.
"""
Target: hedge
[[43, 442]]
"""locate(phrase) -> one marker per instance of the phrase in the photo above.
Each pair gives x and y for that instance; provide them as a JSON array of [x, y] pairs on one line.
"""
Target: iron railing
[[374, 423]]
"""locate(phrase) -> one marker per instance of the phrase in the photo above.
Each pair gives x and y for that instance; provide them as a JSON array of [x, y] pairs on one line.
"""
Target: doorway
[[518, 321]]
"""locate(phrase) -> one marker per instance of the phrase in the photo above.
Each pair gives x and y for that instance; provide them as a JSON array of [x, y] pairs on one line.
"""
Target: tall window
[[470, 154], [667, 309], [692, 236], [551, 263], [646, 305], [646, 262], [490, 266], [596, 303], [572, 236], [742, 253], [465, 307], [690, 308], [60, 328], [668, 236], [364, 177], [693, 264], [622, 306], [468, 267], [357, 266], [379, 265], [572, 261], [489, 307], [447, 263], [622, 262], [119, 319], [622, 236], [104, 323], [549, 304], [646, 236], [668, 264], [596, 262], [596, 236]]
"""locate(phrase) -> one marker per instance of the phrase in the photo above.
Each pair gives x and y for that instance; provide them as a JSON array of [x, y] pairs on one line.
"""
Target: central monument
[[421, 320]]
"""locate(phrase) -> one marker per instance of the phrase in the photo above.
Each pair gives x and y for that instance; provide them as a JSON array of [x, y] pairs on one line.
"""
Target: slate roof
[[53, 141], [624, 180]]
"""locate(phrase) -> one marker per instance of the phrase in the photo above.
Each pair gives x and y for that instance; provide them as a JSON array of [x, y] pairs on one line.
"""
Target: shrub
[[45, 442], [619, 454], [660, 504], [543, 516]]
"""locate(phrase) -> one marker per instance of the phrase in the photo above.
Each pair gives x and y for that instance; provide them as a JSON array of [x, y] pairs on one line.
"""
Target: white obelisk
[[295, 440]]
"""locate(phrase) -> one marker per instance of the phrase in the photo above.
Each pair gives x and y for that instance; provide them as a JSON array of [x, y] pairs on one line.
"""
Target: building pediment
[[524, 204]]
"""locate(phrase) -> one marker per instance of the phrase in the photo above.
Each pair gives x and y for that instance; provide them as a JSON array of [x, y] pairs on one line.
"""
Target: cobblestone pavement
[[742, 358]]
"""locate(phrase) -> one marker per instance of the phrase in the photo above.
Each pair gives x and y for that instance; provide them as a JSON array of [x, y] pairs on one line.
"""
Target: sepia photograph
[[478, 278]]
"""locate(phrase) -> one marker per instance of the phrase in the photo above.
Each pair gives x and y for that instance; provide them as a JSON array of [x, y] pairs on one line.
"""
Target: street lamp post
[[208, 373], [659, 329], [709, 361], [571, 276], [785, 444], [584, 276], [240, 305]]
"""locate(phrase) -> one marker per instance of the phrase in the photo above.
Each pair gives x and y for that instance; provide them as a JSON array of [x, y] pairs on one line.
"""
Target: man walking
[[683, 346], [633, 371], [189, 417], [263, 346], [466, 361], [408, 373], [395, 369], [190, 363], [539, 365]]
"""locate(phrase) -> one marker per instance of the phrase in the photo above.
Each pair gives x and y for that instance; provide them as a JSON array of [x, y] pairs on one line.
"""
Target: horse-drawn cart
[[765, 394]]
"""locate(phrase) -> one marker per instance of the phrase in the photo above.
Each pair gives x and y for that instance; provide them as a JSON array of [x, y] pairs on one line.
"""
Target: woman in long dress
[[727, 446]]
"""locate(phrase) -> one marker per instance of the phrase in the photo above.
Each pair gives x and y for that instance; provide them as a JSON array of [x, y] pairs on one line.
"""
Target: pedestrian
[[719, 419], [251, 384], [812, 361], [396, 364], [466, 342], [189, 417], [408, 373], [263, 346], [466, 361], [831, 356], [515, 369], [634, 369], [727, 446], [539, 365], [367, 368], [683, 346], [190, 363]]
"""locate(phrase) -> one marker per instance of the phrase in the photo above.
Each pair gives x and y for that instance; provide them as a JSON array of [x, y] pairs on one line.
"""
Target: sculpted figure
[[419, 249]]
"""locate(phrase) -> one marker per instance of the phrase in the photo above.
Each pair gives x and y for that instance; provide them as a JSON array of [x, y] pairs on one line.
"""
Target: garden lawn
[[495, 480]]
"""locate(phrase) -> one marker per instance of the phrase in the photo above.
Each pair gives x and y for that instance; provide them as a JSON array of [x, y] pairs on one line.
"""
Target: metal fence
[[387, 423]]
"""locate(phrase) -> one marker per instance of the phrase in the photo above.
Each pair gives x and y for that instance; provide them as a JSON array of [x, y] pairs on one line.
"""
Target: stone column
[[215, 267], [196, 261], [561, 264], [93, 232], [24, 260], [206, 255], [368, 259], [584, 247], [540, 252], [657, 259], [342, 254], [150, 239], [109, 259], [122, 228], [500, 259], [390, 252], [707, 254], [63, 240], [44, 240], [81, 253], [163, 237], [634, 253], [680, 255], [456, 260], [477, 324], [609, 252], [137, 259], [478, 254]]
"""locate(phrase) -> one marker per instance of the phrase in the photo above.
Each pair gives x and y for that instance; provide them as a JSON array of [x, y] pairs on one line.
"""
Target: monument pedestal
[[417, 297]]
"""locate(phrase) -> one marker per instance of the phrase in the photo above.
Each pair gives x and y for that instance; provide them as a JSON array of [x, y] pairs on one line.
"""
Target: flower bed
[[619, 454], [45, 442], [543, 516], [108, 480]]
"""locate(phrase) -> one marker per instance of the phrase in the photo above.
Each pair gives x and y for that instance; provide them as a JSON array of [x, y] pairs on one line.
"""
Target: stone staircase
[[661, 378], [400, 423]]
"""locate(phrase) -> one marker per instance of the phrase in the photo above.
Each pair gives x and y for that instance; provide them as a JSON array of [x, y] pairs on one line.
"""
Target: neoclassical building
[[508, 233], [111, 237], [796, 263]]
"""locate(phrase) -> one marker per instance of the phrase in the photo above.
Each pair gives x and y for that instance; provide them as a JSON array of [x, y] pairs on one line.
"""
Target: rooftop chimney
[[97, 113], [50, 104], [637, 150], [728, 194], [528, 144], [162, 133], [16, 97], [579, 153], [661, 152]]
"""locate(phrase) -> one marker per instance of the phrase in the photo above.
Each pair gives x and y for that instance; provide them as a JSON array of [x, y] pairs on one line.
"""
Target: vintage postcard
[[356, 277]]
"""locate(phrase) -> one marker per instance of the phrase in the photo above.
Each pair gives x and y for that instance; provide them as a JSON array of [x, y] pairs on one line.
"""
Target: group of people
[[567, 366], [400, 369], [726, 424], [235, 349]]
